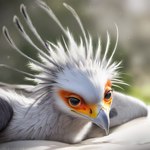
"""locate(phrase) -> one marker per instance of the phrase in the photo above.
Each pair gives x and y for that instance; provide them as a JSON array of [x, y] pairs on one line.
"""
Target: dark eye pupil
[[74, 101], [108, 95]]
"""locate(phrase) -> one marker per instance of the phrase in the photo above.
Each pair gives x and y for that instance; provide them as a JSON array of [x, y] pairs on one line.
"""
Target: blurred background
[[98, 16]]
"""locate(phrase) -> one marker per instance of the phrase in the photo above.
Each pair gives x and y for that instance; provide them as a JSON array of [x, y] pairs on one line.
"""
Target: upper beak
[[102, 120]]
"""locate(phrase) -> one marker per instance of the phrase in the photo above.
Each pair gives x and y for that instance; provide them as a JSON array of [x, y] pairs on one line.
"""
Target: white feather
[[69, 65]]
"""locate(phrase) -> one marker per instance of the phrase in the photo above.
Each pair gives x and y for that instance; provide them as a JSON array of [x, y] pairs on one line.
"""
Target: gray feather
[[6, 113], [126, 108], [39, 112]]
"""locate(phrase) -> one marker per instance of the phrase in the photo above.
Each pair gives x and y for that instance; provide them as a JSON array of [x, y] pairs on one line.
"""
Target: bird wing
[[6, 110], [125, 108], [6, 113]]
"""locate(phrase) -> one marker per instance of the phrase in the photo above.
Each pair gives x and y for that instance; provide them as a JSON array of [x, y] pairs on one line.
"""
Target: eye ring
[[74, 102], [108, 95]]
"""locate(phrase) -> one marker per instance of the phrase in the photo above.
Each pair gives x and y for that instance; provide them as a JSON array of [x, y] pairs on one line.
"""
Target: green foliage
[[141, 93]]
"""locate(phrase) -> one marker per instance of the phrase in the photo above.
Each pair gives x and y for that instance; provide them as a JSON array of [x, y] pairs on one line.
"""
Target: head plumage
[[67, 53]]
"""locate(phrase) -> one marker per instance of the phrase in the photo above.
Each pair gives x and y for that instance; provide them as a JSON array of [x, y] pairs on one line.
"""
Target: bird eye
[[108, 95], [74, 101]]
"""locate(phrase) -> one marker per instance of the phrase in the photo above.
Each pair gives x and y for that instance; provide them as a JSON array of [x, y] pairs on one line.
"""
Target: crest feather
[[68, 52]]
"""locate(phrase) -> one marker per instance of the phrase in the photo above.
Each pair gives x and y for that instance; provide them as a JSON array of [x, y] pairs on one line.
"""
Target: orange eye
[[74, 102]]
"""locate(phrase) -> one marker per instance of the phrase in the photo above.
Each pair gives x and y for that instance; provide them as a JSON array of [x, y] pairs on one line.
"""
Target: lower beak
[[102, 120]]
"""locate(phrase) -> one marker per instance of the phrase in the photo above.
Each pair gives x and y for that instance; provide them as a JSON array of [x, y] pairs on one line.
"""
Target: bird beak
[[102, 120]]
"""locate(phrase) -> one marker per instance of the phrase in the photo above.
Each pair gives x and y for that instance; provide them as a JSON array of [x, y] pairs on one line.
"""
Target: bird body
[[73, 98], [43, 122]]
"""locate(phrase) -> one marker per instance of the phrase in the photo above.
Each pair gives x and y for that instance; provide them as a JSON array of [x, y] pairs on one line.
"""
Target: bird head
[[73, 75], [82, 83], [85, 91]]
